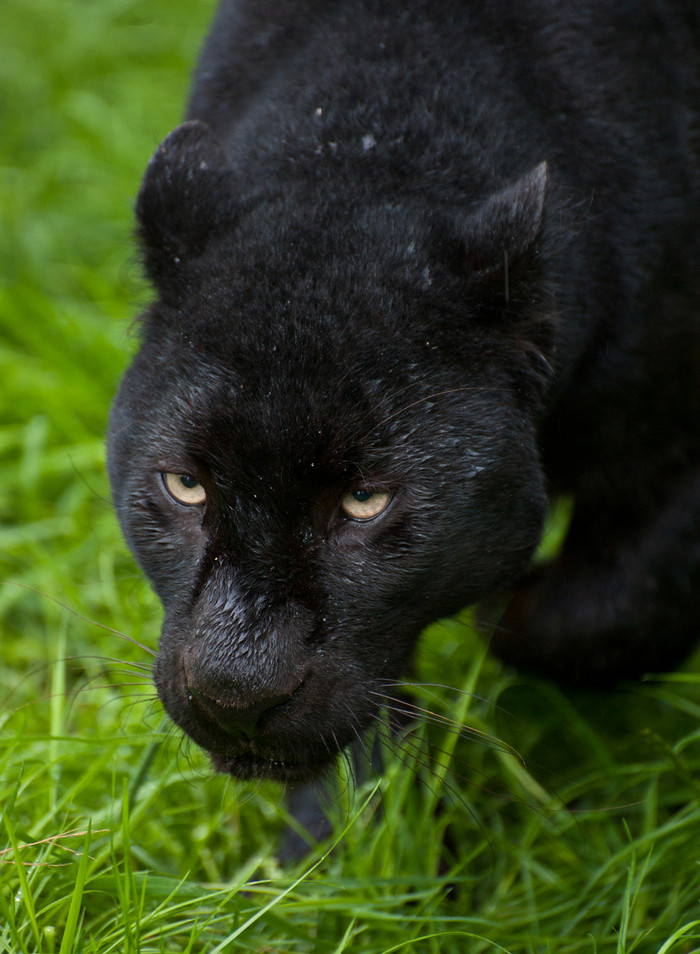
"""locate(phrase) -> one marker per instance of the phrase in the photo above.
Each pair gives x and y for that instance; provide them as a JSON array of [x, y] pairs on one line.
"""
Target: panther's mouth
[[250, 765]]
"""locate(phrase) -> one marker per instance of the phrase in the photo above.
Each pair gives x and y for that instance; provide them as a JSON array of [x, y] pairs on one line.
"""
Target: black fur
[[445, 250]]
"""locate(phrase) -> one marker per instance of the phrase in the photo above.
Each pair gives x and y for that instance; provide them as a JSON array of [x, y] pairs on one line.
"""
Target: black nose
[[244, 721]]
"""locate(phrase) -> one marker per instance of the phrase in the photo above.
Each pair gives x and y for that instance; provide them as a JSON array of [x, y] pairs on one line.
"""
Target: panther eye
[[185, 489], [364, 504]]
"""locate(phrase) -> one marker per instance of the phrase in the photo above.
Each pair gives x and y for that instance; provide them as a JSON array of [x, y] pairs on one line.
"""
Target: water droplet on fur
[[368, 142]]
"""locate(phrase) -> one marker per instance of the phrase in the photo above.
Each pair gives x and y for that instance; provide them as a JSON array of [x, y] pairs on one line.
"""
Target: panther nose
[[242, 722]]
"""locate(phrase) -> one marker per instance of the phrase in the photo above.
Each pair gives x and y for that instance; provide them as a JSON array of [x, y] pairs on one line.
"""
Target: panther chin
[[249, 763]]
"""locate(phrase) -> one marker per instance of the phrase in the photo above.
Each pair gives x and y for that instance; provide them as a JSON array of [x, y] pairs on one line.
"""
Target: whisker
[[427, 754], [109, 685], [412, 751], [140, 699], [403, 707], [455, 690], [82, 616], [143, 668], [462, 771]]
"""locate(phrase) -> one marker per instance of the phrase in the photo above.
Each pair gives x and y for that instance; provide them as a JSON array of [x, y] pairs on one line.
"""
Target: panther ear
[[186, 197], [506, 286], [505, 227]]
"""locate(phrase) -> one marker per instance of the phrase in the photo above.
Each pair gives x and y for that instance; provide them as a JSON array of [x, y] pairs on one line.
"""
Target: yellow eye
[[185, 489], [363, 504]]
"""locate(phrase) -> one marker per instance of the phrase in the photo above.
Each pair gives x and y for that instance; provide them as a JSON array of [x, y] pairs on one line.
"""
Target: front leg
[[622, 599]]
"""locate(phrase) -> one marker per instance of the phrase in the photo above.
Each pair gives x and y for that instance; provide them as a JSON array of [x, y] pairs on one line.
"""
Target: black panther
[[420, 269]]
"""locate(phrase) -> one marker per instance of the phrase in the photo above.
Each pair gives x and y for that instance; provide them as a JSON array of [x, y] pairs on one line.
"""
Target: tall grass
[[116, 836]]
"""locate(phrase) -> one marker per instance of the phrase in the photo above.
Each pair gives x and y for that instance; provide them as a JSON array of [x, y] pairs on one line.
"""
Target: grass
[[115, 834]]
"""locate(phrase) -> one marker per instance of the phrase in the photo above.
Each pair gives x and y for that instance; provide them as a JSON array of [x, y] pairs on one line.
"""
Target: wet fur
[[444, 250]]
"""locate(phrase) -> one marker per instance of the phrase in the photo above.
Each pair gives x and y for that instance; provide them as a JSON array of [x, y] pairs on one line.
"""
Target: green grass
[[115, 836]]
